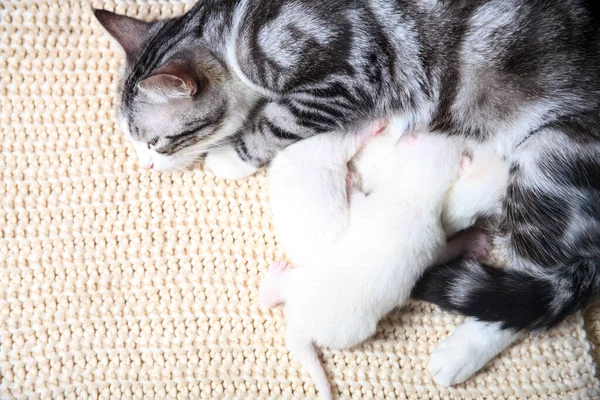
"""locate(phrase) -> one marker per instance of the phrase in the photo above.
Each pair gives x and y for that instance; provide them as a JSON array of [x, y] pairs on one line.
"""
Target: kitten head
[[177, 99]]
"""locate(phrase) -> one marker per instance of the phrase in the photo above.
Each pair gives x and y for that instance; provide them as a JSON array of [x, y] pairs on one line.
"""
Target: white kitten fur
[[357, 260]]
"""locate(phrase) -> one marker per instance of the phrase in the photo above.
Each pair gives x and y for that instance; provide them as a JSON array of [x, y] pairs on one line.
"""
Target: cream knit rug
[[120, 283]]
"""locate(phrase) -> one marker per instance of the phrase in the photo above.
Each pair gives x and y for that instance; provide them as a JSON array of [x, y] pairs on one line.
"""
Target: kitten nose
[[147, 166]]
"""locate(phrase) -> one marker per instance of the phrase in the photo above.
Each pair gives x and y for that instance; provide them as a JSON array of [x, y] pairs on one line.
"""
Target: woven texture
[[592, 326], [121, 283]]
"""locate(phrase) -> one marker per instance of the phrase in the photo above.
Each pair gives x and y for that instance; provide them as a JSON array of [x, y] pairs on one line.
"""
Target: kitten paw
[[270, 291], [225, 163], [478, 244]]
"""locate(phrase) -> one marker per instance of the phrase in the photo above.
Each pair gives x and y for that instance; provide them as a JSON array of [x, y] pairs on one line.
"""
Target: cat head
[[177, 99]]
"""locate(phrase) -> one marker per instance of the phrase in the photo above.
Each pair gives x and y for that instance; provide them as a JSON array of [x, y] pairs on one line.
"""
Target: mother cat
[[243, 79]]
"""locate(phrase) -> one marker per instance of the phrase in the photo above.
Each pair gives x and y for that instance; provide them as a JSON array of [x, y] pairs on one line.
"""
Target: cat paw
[[270, 291], [468, 349], [453, 362], [225, 163], [478, 244]]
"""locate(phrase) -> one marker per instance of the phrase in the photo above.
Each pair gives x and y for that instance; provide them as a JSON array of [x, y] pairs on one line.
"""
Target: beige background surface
[[118, 283]]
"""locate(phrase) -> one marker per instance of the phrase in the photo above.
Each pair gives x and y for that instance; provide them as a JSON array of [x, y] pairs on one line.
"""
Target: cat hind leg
[[467, 350]]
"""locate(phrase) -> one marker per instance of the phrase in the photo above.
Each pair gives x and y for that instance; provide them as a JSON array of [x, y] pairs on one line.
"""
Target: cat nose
[[147, 166]]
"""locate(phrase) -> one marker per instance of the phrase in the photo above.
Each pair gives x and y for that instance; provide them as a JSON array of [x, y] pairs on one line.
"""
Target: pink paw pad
[[271, 291]]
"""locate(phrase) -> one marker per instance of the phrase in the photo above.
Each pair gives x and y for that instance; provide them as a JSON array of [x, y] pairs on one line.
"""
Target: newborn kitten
[[358, 253]]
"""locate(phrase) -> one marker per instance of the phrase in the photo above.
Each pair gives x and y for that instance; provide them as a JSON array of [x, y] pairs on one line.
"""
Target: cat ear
[[172, 81], [128, 31]]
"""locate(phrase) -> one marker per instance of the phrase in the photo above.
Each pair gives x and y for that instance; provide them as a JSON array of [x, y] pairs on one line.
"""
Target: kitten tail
[[306, 353]]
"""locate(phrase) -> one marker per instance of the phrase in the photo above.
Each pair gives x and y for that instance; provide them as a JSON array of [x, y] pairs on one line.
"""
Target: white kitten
[[358, 253]]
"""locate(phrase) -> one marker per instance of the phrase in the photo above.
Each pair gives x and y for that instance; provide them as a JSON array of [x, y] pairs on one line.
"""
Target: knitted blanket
[[120, 283]]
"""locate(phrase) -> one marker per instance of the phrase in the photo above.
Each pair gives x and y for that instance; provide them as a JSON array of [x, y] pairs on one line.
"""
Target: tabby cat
[[242, 79]]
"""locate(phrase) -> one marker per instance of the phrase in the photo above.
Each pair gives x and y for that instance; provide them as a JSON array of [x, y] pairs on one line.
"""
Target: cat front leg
[[269, 129], [273, 126], [226, 163], [471, 346]]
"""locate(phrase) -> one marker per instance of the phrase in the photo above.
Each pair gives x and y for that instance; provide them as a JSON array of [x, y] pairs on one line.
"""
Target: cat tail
[[516, 300], [306, 353]]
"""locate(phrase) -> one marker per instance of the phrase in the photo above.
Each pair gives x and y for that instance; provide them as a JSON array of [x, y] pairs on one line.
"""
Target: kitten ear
[[128, 31], [172, 81]]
